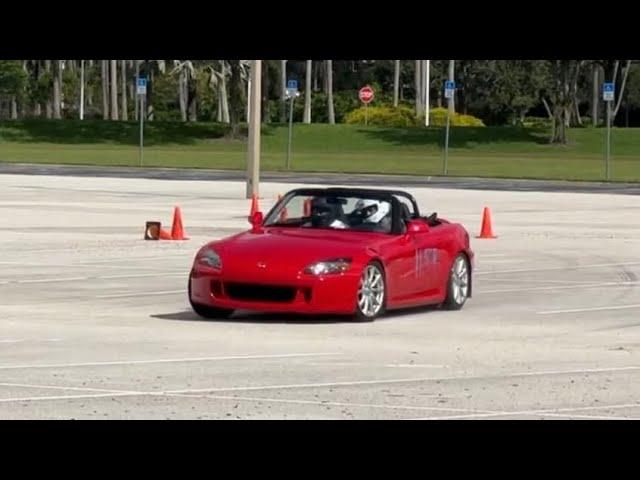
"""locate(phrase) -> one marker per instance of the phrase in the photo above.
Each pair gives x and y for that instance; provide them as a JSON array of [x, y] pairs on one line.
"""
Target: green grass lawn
[[490, 151]]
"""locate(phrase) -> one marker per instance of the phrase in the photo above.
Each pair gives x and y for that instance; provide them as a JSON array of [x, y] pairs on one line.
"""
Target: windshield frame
[[270, 220]]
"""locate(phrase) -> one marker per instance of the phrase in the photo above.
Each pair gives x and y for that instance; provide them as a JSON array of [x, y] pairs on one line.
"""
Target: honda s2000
[[335, 251]]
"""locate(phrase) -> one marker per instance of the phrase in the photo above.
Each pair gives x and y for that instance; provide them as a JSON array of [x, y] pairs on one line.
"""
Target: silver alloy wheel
[[371, 291], [460, 280]]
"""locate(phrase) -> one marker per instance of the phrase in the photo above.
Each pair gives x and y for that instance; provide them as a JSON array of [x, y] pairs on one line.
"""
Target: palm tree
[[114, 89], [396, 83], [329, 82], [57, 87], [105, 89], [307, 93], [123, 83], [186, 88], [218, 82], [283, 93], [236, 96]]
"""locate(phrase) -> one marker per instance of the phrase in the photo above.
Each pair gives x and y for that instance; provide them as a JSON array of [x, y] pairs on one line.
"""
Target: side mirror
[[417, 226], [256, 220]]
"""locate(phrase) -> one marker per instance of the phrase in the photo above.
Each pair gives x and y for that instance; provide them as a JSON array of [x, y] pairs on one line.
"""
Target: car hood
[[293, 249]]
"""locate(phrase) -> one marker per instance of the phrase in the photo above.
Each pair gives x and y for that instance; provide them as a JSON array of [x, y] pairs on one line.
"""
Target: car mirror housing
[[417, 226]]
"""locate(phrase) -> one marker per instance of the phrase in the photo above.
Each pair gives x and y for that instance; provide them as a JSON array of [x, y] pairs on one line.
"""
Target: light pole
[[81, 89], [426, 95], [253, 146]]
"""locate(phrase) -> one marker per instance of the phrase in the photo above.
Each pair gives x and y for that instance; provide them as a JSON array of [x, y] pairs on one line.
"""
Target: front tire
[[372, 293], [458, 283], [206, 311]]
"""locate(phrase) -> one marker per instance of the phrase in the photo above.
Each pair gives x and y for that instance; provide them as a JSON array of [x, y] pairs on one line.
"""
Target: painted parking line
[[566, 267], [168, 360], [590, 309]]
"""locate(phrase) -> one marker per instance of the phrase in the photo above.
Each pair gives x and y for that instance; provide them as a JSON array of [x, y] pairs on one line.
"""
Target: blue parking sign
[[608, 91]]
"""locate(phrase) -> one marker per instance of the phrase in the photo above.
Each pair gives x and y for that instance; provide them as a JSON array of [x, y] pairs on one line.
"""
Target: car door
[[428, 259]]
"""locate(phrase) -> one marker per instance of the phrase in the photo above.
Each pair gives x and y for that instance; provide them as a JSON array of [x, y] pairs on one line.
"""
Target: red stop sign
[[366, 94]]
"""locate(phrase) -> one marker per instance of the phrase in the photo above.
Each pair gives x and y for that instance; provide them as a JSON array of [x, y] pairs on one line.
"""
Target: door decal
[[425, 258]]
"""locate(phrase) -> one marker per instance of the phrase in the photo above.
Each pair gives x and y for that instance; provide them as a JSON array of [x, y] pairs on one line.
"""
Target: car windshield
[[358, 213]]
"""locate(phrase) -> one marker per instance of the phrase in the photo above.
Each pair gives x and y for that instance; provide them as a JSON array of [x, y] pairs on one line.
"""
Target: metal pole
[[81, 89], [248, 102], [451, 79], [426, 96], [446, 145], [141, 127], [290, 131], [608, 159], [253, 147], [366, 113]]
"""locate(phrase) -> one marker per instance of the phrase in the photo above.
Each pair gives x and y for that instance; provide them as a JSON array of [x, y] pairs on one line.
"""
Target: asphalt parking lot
[[95, 323]]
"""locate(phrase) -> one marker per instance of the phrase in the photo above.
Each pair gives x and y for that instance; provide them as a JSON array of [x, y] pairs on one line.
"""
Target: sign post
[[291, 93], [449, 91], [366, 96], [142, 92], [608, 94]]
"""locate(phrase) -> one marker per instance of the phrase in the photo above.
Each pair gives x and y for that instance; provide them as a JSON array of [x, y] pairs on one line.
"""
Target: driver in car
[[326, 214], [373, 215]]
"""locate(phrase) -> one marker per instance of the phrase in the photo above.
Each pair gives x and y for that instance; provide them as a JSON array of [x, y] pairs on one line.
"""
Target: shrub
[[438, 118], [383, 116], [404, 116]]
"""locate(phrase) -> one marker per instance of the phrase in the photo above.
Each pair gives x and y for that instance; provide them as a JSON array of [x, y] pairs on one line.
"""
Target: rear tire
[[371, 298], [458, 283], [205, 311]]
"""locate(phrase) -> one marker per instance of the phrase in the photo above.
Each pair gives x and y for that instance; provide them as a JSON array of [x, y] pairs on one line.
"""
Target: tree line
[[566, 92]]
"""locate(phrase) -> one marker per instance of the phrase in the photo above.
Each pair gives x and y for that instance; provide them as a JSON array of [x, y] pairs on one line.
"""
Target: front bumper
[[302, 293]]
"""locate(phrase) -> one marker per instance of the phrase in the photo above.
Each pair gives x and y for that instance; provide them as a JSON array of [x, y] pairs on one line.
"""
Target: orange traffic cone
[[254, 205], [164, 235], [486, 231], [177, 231]]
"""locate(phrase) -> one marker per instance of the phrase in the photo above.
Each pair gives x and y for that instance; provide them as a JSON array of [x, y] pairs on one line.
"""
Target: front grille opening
[[260, 293], [216, 288]]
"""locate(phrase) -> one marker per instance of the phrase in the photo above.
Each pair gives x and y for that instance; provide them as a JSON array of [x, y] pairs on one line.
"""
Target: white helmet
[[373, 210]]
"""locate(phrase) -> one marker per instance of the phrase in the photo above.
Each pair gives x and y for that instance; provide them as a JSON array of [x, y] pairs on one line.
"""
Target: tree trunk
[[306, 117], [266, 106], [223, 109], [451, 76], [135, 86], [57, 86], [14, 108], [546, 107], [114, 89], [595, 96], [621, 93], [316, 74], [123, 81], [149, 96], [283, 93], [235, 98], [559, 125], [105, 90], [192, 99], [396, 83], [329, 76], [182, 94], [418, 88], [132, 83]]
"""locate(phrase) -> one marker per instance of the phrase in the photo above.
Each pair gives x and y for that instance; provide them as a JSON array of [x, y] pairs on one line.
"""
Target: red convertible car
[[335, 251]]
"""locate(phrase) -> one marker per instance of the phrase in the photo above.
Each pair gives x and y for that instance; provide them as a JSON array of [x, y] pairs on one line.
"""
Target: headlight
[[210, 258], [337, 265]]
